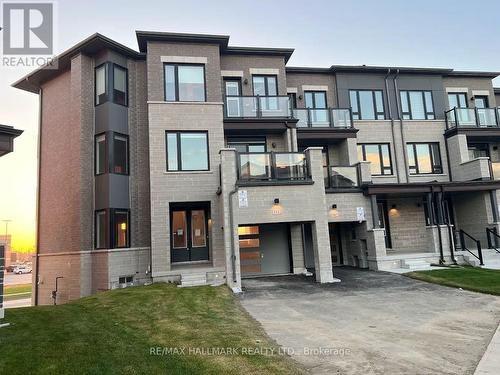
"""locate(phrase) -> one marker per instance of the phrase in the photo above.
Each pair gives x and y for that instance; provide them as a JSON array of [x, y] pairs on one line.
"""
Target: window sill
[[427, 175], [182, 103], [187, 172]]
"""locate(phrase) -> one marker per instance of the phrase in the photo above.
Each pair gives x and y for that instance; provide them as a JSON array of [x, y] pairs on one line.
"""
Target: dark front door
[[189, 233], [383, 221], [336, 244]]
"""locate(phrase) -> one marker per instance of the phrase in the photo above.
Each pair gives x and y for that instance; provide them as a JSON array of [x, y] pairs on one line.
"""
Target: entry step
[[193, 279], [415, 264]]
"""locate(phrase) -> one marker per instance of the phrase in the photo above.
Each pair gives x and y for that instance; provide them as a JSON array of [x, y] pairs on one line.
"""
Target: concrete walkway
[[374, 323], [490, 363]]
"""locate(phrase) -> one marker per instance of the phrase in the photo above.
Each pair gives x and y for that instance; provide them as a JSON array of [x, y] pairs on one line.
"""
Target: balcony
[[323, 118], [273, 168], [346, 178], [257, 107], [472, 118]]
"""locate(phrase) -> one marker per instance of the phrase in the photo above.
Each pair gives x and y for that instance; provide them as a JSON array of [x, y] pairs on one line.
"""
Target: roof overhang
[[475, 133], [325, 135], [236, 126], [7, 135], [429, 187]]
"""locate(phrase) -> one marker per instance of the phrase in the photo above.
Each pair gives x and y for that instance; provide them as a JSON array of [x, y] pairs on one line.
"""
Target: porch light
[[333, 211], [276, 201], [394, 211], [123, 226], [276, 208]]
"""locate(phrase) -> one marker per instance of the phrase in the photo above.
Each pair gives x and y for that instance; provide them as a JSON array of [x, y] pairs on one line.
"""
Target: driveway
[[374, 323]]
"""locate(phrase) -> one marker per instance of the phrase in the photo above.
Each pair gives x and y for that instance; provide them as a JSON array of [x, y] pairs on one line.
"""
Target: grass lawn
[[481, 280], [113, 333], [12, 292]]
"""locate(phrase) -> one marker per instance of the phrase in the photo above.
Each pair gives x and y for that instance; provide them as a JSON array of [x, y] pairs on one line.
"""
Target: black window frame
[[112, 231], [266, 84], [383, 167], [409, 113], [293, 99], [486, 99], [106, 229], [314, 92], [432, 161], [254, 141], [232, 79], [179, 151], [109, 90], [374, 103], [457, 94], [176, 81], [109, 163]]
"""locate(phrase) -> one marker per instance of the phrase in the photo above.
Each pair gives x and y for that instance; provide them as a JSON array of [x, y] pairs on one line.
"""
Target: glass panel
[[170, 82], [341, 118], [247, 106], [233, 106], [379, 102], [386, 159], [301, 115], [290, 166], [179, 229], [496, 170], [481, 102], [257, 148], [309, 100], [462, 100], [100, 154], [436, 158], [272, 87], [275, 106], [120, 154], [121, 229], [411, 158], [194, 152], [354, 101], [191, 83], [404, 101], [372, 155], [423, 158], [486, 117], [428, 102], [259, 85], [255, 166], [366, 103], [343, 177], [100, 84], [198, 229], [232, 88], [319, 118], [119, 85], [417, 105], [320, 100], [100, 230], [173, 163], [465, 116], [249, 230]]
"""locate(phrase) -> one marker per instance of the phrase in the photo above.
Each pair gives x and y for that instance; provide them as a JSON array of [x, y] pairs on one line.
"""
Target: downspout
[[37, 244], [231, 224], [396, 92], [391, 117]]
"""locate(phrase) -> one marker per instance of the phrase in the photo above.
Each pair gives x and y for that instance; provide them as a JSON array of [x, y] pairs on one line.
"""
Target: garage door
[[264, 249]]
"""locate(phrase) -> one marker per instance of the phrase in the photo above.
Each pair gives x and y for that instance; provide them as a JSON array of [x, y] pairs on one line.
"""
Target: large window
[[378, 155], [111, 153], [265, 85], [424, 158], [111, 75], [187, 151], [184, 83], [417, 105], [367, 104], [457, 99], [112, 228]]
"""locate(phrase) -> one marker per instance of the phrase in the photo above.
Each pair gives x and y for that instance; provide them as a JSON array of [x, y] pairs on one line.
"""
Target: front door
[[189, 234], [336, 244], [232, 90], [383, 221]]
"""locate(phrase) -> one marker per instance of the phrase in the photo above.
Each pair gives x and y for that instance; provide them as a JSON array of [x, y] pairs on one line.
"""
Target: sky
[[448, 34]]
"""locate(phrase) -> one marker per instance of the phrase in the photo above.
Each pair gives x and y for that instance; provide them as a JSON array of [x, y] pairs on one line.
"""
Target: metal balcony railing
[[472, 117], [273, 166], [243, 107], [323, 117]]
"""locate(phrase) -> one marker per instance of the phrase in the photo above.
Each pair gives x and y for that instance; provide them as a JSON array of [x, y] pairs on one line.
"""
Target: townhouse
[[197, 162]]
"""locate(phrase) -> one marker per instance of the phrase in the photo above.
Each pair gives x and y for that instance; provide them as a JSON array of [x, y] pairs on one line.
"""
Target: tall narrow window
[[184, 82], [378, 155], [101, 241], [424, 158], [120, 95], [120, 154], [187, 151], [417, 105], [367, 104], [100, 84], [100, 154], [121, 228]]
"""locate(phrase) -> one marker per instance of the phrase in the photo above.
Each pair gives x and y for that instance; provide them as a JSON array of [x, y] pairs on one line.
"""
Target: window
[[120, 154], [417, 105], [101, 241], [293, 99], [367, 104], [247, 144], [120, 228], [478, 150], [113, 157], [265, 85], [187, 151], [457, 99], [100, 154], [109, 74], [481, 101], [378, 155], [424, 158], [184, 83], [315, 99]]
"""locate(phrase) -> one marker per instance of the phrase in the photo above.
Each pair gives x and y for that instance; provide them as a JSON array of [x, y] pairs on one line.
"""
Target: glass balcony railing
[[323, 117], [495, 170], [472, 117], [341, 177], [257, 107], [271, 166]]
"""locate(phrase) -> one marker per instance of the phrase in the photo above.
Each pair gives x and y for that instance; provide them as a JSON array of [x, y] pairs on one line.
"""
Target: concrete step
[[193, 279], [415, 264]]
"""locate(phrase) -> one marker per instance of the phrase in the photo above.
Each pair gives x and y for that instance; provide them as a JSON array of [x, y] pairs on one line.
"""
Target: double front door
[[189, 233]]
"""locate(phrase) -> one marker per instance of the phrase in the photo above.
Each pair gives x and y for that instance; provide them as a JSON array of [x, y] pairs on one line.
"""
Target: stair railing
[[463, 244], [493, 239]]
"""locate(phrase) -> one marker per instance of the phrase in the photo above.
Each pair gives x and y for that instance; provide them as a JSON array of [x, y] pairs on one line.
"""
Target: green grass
[[113, 333], [476, 279], [12, 292]]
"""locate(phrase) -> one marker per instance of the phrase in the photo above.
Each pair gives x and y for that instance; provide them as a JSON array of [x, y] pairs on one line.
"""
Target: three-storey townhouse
[[197, 162]]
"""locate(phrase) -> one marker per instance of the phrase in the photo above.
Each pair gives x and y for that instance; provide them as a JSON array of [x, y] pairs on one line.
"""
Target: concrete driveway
[[374, 323]]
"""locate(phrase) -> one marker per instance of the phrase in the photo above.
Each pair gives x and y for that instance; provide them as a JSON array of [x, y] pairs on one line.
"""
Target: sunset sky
[[398, 33]]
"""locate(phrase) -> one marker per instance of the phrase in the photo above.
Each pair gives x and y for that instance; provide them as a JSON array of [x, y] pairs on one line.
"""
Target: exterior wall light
[[394, 211], [276, 201], [276, 209], [333, 211]]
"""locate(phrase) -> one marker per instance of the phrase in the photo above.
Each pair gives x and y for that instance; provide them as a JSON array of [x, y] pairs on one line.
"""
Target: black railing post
[[309, 122], [446, 119], [462, 239], [273, 166], [330, 117], [259, 109], [456, 117], [476, 114], [480, 253], [352, 118], [488, 238], [497, 122]]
